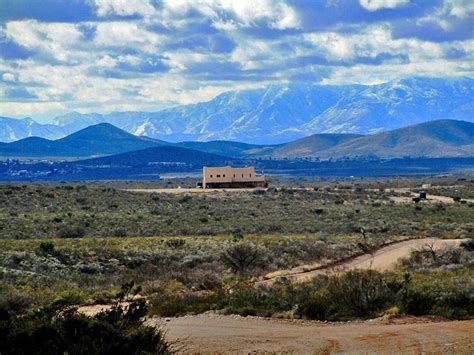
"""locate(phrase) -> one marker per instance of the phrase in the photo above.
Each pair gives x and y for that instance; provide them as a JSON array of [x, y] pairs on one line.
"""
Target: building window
[[218, 175], [234, 175], [242, 175], [223, 175], [211, 175], [250, 175]]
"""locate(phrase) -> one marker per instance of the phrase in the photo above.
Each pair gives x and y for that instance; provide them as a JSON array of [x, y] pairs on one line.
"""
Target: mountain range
[[441, 138], [279, 113], [100, 139]]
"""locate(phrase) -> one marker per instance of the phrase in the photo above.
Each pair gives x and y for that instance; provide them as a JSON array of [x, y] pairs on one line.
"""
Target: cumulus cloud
[[8, 77], [108, 55], [374, 5], [231, 14], [124, 7]]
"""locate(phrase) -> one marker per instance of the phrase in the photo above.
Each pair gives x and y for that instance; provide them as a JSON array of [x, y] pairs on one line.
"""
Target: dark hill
[[159, 156], [100, 139], [442, 138], [230, 149], [311, 145]]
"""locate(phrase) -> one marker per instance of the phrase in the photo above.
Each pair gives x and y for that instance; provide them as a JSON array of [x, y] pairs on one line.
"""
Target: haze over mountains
[[279, 113], [441, 138]]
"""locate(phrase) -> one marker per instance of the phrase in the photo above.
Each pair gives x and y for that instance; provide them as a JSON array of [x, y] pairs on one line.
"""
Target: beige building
[[227, 176]]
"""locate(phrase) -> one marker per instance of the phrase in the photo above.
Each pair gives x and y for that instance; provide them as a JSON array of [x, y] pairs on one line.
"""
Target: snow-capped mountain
[[281, 113], [13, 129]]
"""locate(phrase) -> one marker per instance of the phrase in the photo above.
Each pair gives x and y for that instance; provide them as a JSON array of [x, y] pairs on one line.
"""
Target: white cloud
[[459, 8], [374, 5], [22, 109], [230, 14], [372, 74], [126, 35], [53, 39], [370, 42], [124, 7], [8, 77], [81, 66]]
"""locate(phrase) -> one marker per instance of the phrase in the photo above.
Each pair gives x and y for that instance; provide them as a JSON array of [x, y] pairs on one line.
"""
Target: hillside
[[310, 146], [231, 149], [101, 139], [442, 138], [163, 156], [280, 113]]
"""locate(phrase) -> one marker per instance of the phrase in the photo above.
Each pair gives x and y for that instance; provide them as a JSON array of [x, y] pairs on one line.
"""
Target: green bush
[[355, 294], [175, 243], [241, 257], [70, 297], [71, 232], [60, 330], [453, 300], [171, 304], [46, 248]]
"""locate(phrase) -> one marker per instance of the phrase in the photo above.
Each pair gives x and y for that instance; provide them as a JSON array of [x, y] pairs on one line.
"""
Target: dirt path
[[383, 259], [190, 190], [217, 334], [430, 198]]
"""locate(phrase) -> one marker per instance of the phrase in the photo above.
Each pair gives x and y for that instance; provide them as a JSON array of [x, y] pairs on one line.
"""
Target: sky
[[58, 56]]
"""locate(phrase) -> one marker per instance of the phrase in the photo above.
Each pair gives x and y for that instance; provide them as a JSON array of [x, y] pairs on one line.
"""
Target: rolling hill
[[100, 139], [310, 146], [442, 138], [231, 149], [162, 156]]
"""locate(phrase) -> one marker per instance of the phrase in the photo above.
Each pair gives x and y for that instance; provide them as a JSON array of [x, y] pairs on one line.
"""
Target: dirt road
[[217, 334], [383, 259], [190, 190]]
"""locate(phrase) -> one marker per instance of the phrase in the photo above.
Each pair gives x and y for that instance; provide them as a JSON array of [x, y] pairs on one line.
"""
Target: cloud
[[124, 7], [8, 77], [450, 22], [374, 5], [232, 14], [126, 35], [108, 55], [53, 40]]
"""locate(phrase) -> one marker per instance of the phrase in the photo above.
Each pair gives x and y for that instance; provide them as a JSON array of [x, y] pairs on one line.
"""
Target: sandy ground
[[218, 334], [383, 259], [396, 199], [211, 333], [430, 198], [189, 191]]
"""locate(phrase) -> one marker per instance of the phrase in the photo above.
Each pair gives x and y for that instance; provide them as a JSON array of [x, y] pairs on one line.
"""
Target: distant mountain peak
[[281, 112]]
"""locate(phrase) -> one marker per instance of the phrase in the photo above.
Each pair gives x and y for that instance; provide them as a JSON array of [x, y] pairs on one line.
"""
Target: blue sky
[[58, 56]]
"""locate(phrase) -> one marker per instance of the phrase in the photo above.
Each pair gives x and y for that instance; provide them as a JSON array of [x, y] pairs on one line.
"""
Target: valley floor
[[216, 334]]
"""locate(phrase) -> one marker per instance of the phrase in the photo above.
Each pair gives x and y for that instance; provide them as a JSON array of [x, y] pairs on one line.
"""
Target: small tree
[[240, 257]]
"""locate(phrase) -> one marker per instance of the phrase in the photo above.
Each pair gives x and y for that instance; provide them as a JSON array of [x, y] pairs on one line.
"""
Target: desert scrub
[[352, 295], [45, 211], [60, 330]]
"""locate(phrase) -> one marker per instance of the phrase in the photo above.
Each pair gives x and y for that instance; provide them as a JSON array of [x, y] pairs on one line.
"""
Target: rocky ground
[[217, 334]]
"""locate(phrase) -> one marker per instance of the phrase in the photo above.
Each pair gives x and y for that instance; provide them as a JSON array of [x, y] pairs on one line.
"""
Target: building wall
[[229, 175]]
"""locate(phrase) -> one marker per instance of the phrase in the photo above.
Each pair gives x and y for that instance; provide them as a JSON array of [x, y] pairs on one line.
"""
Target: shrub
[[241, 257], [468, 244], [353, 294], [71, 232], [69, 297], [46, 248], [59, 330], [175, 243]]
